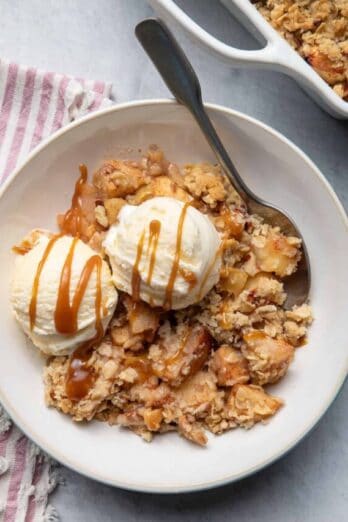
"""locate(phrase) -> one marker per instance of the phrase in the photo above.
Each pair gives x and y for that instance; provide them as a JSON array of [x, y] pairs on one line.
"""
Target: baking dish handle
[[265, 57]]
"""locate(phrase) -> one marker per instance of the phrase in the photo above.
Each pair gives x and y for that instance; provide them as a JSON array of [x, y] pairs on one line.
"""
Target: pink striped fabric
[[33, 105]]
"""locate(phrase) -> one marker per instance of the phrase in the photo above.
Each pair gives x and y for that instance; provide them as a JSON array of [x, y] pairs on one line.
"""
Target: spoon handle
[[178, 74]]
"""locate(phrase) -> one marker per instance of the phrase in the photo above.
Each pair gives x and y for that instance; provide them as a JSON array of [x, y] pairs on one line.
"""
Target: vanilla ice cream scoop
[[62, 294], [164, 252]]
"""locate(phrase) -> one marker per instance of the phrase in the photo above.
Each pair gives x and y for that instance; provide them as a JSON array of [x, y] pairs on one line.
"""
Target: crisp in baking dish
[[277, 54]]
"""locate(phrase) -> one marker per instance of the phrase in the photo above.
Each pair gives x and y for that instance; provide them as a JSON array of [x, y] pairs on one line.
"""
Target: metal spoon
[[182, 81]]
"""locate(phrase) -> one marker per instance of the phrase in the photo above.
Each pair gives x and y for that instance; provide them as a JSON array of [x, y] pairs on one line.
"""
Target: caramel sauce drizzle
[[72, 220], [80, 376], [231, 226], [66, 314], [20, 250], [154, 232], [189, 277], [142, 365], [136, 278], [179, 353], [154, 229], [65, 317], [35, 288], [175, 266], [23, 248], [134, 311]]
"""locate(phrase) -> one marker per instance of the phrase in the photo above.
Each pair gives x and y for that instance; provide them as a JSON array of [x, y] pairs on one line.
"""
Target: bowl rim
[[199, 486]]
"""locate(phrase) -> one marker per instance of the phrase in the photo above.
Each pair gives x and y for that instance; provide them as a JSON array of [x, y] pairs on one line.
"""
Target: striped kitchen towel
[[33, 104]]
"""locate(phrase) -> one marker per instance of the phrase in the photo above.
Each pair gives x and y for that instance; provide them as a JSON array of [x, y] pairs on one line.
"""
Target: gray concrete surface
[[95, 39]]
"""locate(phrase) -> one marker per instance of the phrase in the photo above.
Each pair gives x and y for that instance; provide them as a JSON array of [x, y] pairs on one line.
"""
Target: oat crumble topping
[[205, 367]]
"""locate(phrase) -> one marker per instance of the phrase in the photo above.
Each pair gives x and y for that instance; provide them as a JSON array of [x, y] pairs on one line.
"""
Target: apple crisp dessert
[[318, 31], [202, 367]]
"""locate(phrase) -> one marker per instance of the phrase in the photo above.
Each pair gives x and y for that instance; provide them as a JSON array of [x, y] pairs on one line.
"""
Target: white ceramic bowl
[[276, 170], [276, 54]]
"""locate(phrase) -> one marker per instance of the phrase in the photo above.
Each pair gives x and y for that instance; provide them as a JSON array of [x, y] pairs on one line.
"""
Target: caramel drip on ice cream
[[154, 232], [65, 317], [72, 219], [189, 277], [79, 377], [155, 229], [35, 288], [136, 278], [66, 314], [23, 248], [175, 266]]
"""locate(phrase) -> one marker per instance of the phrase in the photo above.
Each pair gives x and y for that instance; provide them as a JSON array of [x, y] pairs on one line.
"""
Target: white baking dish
[[277, 54]]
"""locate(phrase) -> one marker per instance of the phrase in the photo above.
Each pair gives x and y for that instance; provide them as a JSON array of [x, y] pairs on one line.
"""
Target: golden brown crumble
[[248, 404], [112, 208], [205, 182], [118, 179], [204, 367], [229, 366], [318, 31], [159, 186], [268, 358]]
